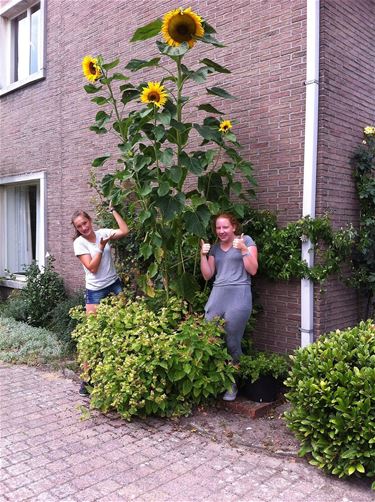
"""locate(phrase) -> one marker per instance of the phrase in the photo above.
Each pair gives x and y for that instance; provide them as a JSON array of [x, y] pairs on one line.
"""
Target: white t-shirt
[[106, 274]]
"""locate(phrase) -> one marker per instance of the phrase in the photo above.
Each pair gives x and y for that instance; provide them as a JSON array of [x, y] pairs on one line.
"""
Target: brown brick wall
[[347, 104], [45, 126]]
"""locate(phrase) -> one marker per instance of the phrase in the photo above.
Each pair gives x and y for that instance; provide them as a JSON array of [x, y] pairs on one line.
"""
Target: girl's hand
[[103, 243], [205, 247], [239, 243]]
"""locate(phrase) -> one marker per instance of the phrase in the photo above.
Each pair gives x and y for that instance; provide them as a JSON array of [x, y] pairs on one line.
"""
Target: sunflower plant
[[156, 135]]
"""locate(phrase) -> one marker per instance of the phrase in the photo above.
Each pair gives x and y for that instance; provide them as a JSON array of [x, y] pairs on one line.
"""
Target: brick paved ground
[[51, 451]]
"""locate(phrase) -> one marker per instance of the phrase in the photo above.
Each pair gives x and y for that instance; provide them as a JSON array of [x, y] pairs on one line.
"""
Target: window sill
[[35, 77], [19, 283]]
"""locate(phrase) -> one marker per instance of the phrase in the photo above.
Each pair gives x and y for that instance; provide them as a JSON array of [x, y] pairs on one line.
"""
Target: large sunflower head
[[181, 25], [91, 68], [225, 126], [154, 93]]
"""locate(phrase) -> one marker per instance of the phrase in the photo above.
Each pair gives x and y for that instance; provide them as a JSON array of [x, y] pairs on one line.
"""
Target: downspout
[[310, 162]]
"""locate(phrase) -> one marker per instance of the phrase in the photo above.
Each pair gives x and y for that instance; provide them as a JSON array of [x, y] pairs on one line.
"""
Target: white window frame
[[7, 58], [40, 178]]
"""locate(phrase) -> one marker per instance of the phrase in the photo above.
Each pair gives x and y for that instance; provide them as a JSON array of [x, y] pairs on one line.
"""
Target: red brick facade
[[44, 126]]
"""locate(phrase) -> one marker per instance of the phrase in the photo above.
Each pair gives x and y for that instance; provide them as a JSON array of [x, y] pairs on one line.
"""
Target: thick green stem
[[180, 84], [118, 116]]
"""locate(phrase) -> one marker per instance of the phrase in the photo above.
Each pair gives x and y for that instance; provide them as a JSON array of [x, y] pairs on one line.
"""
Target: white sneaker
[[231, 395]]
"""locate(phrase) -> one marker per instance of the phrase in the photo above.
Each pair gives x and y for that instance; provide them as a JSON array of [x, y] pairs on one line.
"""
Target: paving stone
[[59, 457]]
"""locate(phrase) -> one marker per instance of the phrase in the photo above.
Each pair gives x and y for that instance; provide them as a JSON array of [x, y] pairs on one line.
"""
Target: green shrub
[[144, 362], [43, 291], [15, 306], [24, 344], [332, 392], [61, 322], [34, 304], [263, 363]]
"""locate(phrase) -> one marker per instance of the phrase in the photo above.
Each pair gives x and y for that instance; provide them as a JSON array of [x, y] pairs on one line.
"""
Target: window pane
[[19, 229], [35, 36], [22, 47]]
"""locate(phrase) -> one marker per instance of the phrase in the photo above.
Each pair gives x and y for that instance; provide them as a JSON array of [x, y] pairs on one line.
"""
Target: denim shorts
[[94, 297]]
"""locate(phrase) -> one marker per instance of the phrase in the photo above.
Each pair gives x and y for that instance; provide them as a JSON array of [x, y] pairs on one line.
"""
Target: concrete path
[[52, 449]]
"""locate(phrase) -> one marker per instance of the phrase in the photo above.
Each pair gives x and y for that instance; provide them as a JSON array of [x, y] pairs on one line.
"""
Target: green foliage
[[24, 344], [61, 322], [262, 363], [34, 304], [15, 306], [332, 393], [151, 362], [363, 163], [280, 248], [155, 160], [43, 291]]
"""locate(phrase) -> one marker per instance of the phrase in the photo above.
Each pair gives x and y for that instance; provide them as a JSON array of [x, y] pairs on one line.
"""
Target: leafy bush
[[43, 291], [34, 303], [61, 322], [21, 343], [332, 392], [15, 306], [146, 362], [263, 363]]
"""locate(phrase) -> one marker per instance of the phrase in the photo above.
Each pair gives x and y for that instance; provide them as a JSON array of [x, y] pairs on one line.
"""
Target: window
[[22, 224], [22, 33]]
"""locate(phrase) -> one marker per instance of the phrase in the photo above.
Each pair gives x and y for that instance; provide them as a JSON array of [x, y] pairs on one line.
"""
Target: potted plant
[[261, 375]]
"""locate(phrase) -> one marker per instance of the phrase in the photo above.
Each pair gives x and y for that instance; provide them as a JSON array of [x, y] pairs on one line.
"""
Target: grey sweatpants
[[234, 305]]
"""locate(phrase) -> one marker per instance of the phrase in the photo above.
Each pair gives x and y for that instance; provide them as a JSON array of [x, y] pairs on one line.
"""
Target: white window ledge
[[35, 77], [19, 283]]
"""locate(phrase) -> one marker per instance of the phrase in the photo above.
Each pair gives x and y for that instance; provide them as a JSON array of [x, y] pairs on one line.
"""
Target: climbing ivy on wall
[[363, 162]]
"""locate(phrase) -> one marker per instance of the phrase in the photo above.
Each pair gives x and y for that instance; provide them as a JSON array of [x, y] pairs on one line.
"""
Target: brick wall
[[45, 126], [347, 104]]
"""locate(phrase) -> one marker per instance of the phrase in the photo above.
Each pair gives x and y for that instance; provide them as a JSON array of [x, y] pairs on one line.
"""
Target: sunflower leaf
[[99, 161], [100, 100], [194, 224], [200, 75], [215, 66], [166, 156], [219, 91], [163, 188], [208, 39], [164, 117], [98, 130], [91, 89], [169, 206], [172, 51], [129, 95], [148, 31], [175, 174], [207, 133], [229, 136], [137, 64], [119, 76], [101, 118], [112, 64], [208, 28], [206, 107]]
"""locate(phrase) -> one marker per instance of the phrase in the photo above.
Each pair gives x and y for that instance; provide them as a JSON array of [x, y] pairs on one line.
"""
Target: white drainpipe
[[310, 162]]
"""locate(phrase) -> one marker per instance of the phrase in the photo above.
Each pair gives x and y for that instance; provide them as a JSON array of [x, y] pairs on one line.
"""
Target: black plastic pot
[[264, 390]]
